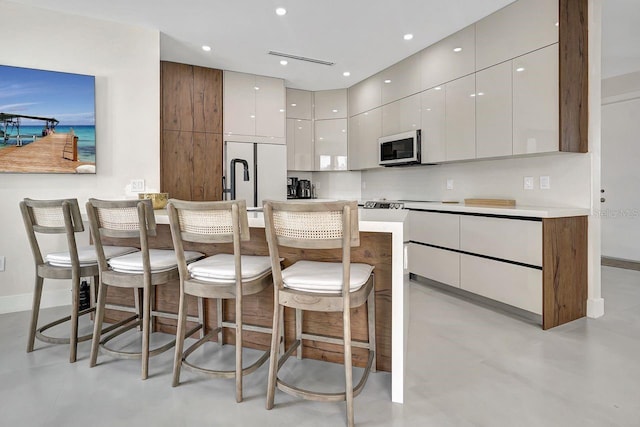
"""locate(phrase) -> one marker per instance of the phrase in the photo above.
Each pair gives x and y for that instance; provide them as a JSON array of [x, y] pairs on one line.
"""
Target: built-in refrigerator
[[255, 171]]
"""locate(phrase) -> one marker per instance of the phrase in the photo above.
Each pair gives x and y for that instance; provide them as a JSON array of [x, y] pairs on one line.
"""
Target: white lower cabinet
[[436, 264], [508, 283]]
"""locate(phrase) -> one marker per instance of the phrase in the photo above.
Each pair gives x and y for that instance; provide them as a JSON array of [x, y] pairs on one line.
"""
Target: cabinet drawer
[[435, 229], [435, 264], [509, 239], [501, 281]]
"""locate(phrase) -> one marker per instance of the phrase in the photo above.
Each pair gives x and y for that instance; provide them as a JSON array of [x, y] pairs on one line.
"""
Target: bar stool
[[221, 276], [142, 270], [60, 217], [318, 286]]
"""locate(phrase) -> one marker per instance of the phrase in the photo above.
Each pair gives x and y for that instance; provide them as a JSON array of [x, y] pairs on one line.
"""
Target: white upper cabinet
[[494, 109], [519, 28], [364, 131], [270, 107], [401, 116], [536, 102], [299, 104], [254, 106], [365, 95], [460, 119], [330, 104], [449, 59], [433, 136], [400, 80], [299, 145], [330, 144]]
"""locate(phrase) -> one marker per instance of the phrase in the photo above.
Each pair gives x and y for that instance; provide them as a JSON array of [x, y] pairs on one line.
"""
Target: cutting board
[[505, 203]]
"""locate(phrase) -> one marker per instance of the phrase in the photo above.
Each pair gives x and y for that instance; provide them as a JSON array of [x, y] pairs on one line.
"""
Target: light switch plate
[[137, 185], [1, 263], [545, 182], [449, 184], [528, 183]]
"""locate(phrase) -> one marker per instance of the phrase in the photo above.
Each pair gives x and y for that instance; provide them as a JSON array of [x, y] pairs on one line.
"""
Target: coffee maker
[[304, 189], [292, 187]]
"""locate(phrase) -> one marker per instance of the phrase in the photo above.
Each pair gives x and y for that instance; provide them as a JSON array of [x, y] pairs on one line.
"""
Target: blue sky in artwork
[[69, 98]]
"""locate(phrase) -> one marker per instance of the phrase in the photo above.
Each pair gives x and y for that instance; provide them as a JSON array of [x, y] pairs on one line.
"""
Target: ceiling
[[359, 36]]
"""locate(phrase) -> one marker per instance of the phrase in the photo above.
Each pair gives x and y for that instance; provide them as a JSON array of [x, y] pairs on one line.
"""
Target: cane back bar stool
[[318, 286], [221, 276], [60, 217], [141, 270]]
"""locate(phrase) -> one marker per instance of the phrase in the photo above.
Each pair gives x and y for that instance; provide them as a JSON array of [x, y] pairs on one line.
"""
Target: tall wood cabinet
[[191, 131]]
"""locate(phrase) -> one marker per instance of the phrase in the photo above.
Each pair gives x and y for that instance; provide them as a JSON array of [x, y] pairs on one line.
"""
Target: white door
[[271, 172], [240, 151]]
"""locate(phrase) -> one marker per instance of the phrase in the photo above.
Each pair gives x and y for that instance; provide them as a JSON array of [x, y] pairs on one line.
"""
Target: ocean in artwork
[[86, 138]]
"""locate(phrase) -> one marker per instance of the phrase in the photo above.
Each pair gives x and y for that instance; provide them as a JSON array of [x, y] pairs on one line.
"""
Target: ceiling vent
[[301, 58]]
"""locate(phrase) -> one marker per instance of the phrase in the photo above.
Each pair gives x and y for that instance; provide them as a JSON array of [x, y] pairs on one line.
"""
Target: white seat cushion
[[86, 255], [160, 259], [316, 276], [220, 268]]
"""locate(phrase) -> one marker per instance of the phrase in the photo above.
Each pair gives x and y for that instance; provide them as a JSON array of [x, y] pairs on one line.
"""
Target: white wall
[[620, 173], [126, 63]]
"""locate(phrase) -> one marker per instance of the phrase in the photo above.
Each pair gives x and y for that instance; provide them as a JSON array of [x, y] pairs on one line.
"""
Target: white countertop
[[518, 210]]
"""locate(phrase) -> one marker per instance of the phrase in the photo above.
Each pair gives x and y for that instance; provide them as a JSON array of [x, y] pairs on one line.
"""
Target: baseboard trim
[[23, 302], [595, 307], [620, 263]]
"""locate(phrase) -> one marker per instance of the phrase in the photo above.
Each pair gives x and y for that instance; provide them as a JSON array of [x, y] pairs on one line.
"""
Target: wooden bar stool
[[142, 270], [221, 276], [60, 217], [318, 286]]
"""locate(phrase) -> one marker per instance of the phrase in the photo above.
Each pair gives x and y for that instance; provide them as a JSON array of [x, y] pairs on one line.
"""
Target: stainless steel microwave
[[400, 149]]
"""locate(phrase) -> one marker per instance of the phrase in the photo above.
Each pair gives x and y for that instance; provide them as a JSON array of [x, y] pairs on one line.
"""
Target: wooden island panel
[[374, 249]]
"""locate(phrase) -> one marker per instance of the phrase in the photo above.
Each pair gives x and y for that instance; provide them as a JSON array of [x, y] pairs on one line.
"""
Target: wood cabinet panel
[[176, 160], [177, 96], [207, 100], [206, 182]]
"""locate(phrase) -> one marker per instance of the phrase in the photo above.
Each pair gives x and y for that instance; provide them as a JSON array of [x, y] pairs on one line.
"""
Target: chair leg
[[35, 311], [275, 346], [97, 324], [299, 314], [219, 319], [371, 317], [137, 298], [348, 373], [182, 323], [239, 348], [201, 309], [146, 326], [73, 336]]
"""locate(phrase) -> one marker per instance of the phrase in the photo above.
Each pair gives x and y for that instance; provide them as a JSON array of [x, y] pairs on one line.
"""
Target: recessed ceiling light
[[281, 11], [256, 88], [293, 105], [457, 49], [428, 109], [344, 131], [387, 81], [252, 116], [334, 110], [438, 88], [480, 93], [346, 74], [206, 48], [521, 69], [282, 110], [284, 62], [408, 36], [472, 95]]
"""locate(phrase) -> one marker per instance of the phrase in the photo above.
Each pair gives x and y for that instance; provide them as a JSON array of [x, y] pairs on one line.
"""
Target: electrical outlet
[[137, 185], [1, 263], [528, 183], [449, 184], [545, 182]]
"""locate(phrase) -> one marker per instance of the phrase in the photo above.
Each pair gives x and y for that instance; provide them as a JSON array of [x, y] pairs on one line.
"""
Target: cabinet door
[[400, 80], [494, 111], [177, 100], [330, 104], [436, 264], [239, 103], [303, 131], [449, 59], [207, 100], [370, 130], [536, 104], [299, 104], [291, 144], [401, 116], [519, 28], [437, 229], [354, 143], [270, 110], [461, 118], [508, 283], [330, 144], [433, 125], [365, 95]]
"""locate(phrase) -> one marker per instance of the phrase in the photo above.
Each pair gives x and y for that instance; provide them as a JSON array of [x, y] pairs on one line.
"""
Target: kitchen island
[[382, 237]]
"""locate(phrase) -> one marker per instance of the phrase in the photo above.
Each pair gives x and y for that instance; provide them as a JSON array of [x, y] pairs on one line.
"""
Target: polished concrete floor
[[468, 365]]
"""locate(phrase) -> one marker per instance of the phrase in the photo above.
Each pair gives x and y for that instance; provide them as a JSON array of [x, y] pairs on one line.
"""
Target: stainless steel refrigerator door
[[244, 189], [271, 172]]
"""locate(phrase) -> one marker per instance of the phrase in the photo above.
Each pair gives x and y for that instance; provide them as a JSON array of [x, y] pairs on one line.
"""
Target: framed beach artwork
[[47, 121]]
